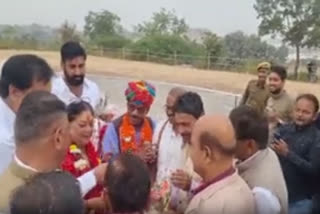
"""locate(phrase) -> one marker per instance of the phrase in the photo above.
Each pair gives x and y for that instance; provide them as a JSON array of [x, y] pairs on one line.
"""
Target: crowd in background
[[264, 157]]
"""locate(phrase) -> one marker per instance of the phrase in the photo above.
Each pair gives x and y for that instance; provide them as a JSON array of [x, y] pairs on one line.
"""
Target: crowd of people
[[63, 151]]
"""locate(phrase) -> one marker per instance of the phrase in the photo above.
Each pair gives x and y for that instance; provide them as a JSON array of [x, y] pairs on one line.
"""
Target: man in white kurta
[[173, 153]]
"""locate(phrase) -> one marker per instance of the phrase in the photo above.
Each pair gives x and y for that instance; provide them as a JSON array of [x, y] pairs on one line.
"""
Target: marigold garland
[[127, 134]]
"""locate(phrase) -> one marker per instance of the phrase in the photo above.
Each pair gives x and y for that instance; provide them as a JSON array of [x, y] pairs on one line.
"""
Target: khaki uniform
[[10, 179], [255, 96]]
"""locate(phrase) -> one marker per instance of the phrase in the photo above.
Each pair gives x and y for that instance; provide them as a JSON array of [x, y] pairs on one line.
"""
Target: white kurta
[[90, 93], [173, 155], [7, 145]]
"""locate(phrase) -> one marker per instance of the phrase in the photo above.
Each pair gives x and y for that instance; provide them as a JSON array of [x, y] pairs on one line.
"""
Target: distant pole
[[123, 53], [148, 55], [209, 61], [175, 57], [101, 51]]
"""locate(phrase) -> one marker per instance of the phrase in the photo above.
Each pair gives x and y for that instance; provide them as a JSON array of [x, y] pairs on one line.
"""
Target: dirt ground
[[219, 80]]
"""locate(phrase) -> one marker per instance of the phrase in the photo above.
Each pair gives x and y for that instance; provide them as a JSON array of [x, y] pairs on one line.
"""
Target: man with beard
[[279, 105], [188, 109], [133, 131], [73, 85], [298, 147], [256, 93]]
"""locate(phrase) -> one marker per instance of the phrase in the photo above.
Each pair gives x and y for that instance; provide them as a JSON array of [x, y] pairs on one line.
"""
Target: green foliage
[[163, 22], [238, 45], [296, 21], [213, 45], [167, 46], [100, 24], [68, 32], [104, 30], [113, 42]]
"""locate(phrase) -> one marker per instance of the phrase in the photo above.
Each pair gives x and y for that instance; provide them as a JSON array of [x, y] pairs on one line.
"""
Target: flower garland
[[160, 196], [127, 134], [80, 163]]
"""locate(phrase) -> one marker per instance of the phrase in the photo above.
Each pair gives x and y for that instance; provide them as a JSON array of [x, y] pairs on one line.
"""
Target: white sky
[[220, 16]]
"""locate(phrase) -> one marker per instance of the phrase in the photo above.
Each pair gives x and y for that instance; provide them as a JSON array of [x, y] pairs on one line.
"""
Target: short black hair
[[190, 103], [281, 71], [71, 50], [21, 71], [249, 124], [48, 193], [38, 111], [312, 98], [76, 108], [128, 183]]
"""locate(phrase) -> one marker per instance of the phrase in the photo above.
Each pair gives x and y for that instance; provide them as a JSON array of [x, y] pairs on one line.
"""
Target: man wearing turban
[[132, 132]]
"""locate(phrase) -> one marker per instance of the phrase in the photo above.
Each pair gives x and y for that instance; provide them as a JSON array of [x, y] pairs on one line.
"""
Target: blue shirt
[[110, 142]]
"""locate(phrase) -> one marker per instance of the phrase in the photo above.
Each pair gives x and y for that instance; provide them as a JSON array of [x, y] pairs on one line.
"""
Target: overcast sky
[[220, 16]]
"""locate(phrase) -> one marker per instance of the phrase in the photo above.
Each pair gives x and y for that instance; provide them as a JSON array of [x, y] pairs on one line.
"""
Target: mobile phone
[[276, 137]]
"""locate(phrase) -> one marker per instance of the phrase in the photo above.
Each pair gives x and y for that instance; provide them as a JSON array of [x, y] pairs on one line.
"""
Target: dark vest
[[117, 123]]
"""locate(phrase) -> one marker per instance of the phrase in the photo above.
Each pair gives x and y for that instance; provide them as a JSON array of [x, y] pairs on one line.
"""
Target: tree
[[239, 46], [104, 29], [68, 32], [236, 45], [102, 24], [164, 23], [213, 45], [293, 20]]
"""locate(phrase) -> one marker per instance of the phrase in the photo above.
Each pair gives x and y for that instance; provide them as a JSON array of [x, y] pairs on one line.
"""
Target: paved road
[[214, 101]]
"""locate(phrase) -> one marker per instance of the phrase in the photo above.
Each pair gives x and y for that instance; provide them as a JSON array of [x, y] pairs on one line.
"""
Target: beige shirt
[[228, 196], [263, 170], [282, 105]]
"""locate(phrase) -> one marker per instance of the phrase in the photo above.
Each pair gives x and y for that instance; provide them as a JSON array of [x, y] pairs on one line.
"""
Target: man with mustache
[[298, 147], [73, 85], [133, 131], [187, 110], [279, 105], [172, 151]]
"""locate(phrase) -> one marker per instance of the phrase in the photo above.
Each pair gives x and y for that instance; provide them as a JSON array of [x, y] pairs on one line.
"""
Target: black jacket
[[301, 167]]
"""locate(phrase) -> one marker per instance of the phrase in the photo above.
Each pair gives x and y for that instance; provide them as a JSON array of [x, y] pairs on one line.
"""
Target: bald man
[[212, 149]]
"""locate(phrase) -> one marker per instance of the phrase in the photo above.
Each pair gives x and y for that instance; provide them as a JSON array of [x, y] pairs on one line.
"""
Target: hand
[[106, 157], [99, 172], [280, 147], [97, 204], [147, 153], [181, 179]]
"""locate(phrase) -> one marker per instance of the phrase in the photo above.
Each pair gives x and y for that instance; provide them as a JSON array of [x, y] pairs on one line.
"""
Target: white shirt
[[87, 181], [90, 91], [170, 156], [7, 145]]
